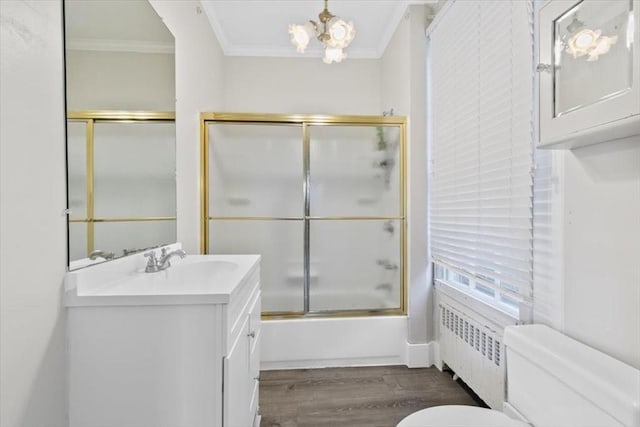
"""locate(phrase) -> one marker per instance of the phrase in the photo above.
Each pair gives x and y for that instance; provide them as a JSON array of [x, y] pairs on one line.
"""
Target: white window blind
[[481, 98]]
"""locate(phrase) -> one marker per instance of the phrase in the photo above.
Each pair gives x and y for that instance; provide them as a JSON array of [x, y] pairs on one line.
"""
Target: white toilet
[[552, 381]]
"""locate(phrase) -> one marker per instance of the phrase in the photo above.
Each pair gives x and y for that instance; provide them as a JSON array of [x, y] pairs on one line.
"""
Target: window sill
[[500, 313]]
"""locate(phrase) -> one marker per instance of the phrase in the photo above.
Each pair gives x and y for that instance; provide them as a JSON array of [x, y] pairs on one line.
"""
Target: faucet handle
[[152, 264], [152, 257]]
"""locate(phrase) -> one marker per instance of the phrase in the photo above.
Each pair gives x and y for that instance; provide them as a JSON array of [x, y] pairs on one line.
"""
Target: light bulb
[[341, 32], [333, 54], [582, 42], [301, 35]]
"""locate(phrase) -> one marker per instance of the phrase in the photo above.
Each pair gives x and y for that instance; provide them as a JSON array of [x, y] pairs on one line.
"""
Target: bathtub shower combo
[[321, 198]]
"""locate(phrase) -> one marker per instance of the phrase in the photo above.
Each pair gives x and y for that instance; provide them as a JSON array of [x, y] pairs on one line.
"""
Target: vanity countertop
[[196, 279]]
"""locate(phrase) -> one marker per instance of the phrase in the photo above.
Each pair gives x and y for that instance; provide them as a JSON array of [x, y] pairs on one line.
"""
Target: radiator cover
[[471, 345]]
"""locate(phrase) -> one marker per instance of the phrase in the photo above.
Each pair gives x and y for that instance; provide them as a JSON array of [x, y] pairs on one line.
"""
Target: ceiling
[[259, 27], [117, 25], [243, 27]]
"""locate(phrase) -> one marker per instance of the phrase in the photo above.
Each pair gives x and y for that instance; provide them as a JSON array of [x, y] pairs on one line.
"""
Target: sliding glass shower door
[[256, 204], [321, 198], [355, 217], [121, 181]]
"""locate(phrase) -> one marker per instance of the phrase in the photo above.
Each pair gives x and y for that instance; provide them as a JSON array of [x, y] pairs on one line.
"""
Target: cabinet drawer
[[254, 373], [241, 304], [255, 311], [255, 332]]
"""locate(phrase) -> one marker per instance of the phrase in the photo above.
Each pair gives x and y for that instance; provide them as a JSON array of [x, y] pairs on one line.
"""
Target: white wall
[[602, 247], [301, 85], [199, 82], [32, 223], [120, 81], [587, 278], [403, 88]]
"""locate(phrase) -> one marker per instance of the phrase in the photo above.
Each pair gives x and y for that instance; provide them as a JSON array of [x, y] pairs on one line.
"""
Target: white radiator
[[471, 345]]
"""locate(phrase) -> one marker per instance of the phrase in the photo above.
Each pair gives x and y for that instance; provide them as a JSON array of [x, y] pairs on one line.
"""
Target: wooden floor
[[354, 397]]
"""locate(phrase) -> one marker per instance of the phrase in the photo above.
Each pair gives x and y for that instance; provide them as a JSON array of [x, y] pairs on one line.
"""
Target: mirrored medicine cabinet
[[120, 93], [589, 71]]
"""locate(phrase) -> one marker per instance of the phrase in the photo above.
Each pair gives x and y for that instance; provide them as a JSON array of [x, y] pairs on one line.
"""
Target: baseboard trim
[[436, 359], [419, 355]]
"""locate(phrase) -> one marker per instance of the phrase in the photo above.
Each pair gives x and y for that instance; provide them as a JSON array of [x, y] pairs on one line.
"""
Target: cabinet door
[[254, 354], [589, 71], [237, 382]]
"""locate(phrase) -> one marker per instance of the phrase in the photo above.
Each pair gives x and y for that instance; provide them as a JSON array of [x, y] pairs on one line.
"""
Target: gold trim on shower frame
[[90, 117], [306, 120]]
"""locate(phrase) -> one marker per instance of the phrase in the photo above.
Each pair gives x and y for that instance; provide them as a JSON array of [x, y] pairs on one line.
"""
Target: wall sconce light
[[336, 35]]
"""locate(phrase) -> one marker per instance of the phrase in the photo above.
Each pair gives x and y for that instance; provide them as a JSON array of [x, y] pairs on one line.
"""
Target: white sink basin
[[213, 277], [190, 276], [207, 269]]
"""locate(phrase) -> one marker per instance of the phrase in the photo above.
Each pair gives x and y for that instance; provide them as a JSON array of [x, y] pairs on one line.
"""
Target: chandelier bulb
[[335, 35]]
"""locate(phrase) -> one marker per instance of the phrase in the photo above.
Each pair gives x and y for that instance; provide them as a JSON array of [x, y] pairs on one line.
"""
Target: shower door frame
[[305, 121], [90, 118]]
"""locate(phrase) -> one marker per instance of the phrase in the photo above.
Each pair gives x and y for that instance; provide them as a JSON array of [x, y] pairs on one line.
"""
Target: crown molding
[[217, 28], [285, 52], [137, 46]]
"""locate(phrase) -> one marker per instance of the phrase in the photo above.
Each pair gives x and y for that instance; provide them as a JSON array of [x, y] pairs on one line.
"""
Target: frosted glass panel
[[593, 54], [77, 164], [77, 240], [117, 237], [354, 170], [355, 265], [281, 245], [135, 170], [255, 170]]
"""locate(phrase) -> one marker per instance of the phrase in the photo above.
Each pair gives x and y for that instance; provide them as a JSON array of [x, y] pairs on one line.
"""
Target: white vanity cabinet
[[589, 71], [145, 354], [241, 364]]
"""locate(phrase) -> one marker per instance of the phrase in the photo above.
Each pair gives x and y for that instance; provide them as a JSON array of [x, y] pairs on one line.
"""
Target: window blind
[[481, 98], [547, 251]]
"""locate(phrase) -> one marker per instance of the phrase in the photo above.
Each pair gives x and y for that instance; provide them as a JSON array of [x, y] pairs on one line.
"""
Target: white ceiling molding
[[102, 45], [216, 26], [286, 52]]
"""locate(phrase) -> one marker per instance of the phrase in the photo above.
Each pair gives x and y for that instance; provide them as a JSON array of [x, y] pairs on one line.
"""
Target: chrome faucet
[[98, 253], [154, 264]]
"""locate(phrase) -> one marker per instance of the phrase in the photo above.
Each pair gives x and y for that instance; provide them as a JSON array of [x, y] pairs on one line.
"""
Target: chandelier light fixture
[[334, 33]]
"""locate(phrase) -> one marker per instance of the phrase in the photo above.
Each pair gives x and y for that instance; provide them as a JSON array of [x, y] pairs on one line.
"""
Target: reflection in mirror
[[120, 129], [593, 54]]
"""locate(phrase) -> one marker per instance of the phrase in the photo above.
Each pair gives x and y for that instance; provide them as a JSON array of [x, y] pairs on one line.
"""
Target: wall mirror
[[120, 92]]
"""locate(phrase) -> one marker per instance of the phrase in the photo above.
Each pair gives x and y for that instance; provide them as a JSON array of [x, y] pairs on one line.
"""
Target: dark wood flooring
[[355, 397]]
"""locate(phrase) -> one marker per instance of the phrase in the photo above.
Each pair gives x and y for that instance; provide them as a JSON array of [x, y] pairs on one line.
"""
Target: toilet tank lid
[[607, 382]]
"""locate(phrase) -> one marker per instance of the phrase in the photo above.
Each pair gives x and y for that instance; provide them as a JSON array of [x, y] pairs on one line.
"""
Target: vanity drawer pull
[[252, 334]]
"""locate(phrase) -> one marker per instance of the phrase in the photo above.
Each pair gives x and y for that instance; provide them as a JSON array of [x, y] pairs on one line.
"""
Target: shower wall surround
[[321, 198]]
